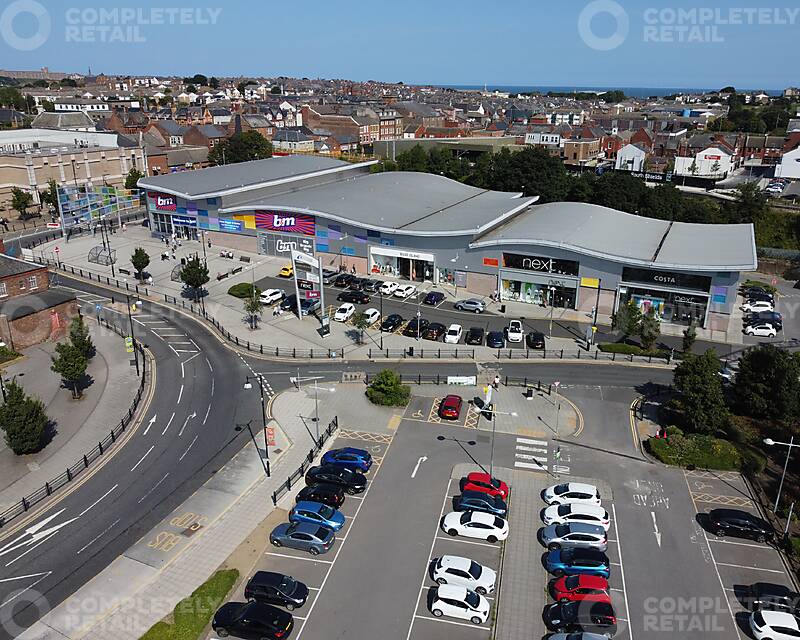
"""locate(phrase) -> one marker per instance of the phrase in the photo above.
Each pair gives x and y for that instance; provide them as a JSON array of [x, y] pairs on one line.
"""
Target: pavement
[[77, 425]]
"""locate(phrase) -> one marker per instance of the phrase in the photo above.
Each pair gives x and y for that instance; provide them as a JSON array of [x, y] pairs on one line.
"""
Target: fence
[[300, 472], [413, 352], [81, 465], [508, 381], [514, 354]]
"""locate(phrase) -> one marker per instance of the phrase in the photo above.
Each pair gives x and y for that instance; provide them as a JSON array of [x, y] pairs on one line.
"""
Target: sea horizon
[[632, 92]]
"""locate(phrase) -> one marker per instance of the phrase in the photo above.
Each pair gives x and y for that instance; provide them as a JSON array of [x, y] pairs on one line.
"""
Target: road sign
[[311, 295], [774, 281], [271, 436], [53, 225], [557, 384], [129, 344], [57, 250], [305, 285]]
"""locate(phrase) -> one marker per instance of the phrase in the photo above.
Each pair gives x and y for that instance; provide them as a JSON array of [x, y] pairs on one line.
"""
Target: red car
[[450, 409], [477, 481], [580, 587]]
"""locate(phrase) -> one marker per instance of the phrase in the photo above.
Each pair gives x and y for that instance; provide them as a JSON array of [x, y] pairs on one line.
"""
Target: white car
[[475, 524], [271, 296], [754, 306], [775, 625], [575, 534], [345, 312], [459, 602], [571, 492], [453, 335], [514, 332], [373, 315], [464, 572], [388, 288], [576, 512], [764, 330], [405, 290]]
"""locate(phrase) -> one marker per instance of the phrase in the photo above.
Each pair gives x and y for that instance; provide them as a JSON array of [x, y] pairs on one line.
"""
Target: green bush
[[753, 461], [387, 390], [703, 451], [243, 290], [192, 614], [7, 354], [794, 546], [631, 349], [758, 283]]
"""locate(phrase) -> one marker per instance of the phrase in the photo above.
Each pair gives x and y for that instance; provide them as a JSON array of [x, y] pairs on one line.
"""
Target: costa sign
[[285, 222], [163, 202]]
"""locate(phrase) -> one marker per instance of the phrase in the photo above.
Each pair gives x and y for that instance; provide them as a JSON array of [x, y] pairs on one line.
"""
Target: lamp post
[[239, 427], [297, 380], [552, 295], [380, 293], [247, 386], [770, 442], [494, 429], [133, 337]]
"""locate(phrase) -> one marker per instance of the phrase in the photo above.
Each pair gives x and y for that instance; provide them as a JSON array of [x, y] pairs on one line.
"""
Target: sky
[[596, 43]]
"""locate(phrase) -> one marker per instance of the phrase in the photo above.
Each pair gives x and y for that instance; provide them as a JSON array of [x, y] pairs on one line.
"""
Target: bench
[[125, 271], [236, 270], [244, 258], [222, 276]]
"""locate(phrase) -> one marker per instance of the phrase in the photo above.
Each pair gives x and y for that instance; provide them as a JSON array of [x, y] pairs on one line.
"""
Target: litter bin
[[183, 262], [502, 308], [529, 393], [411, 352]]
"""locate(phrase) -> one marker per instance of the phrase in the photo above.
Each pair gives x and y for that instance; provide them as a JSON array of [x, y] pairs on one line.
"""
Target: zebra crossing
[[539, 455]]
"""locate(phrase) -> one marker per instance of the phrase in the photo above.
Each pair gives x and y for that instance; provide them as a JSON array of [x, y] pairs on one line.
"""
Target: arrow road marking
[[31, 530], [150, 424], [37, 536], [416, 467], [185, 422], [655, 529]]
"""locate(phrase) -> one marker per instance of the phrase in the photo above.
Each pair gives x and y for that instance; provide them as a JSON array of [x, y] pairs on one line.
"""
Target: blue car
[[317, 513], [350, 458], [567, 562]]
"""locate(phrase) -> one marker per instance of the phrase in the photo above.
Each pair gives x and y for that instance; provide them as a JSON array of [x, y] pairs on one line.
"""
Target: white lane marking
[[460, 624], [32, 530], [521, 447], [416, 466], [739, 544], [528, 456], [150, 424], [184, 351], [42, 541], [311, 559], [96, 502], [171, 347], [190, 359], [195, 344], [528, 465], [207, 412], [212, 387], [183, 373], [155, 486], [98, 536], [180, 395], [168, 423], [142, 458], [541, 443], [191, 416], [18, 594], [741, 566], [138, 321], [622, 570], [30, 575], [208, 362], [158, 336], [183, 455]]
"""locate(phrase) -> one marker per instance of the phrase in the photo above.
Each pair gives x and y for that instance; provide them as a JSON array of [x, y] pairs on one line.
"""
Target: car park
[[762, 329], [415, 327], [433, 298], [535, 340], [757, 305], [269, 587], [479, 501], [404, 291], [351, 481], [328, 276], [373, 286], [459, 602], [774, 625], [392, 322], [772, 317], [350, 458], [739, 524], [271, 296], [343, 280], [495, 339], [303, 536], [475, 524], [471, 304], [317, 513], [773, 597], [574, 534], [475, 336], [388, 288], [287, 271], [596, 617], [580, 587], [749, 291], [479, 481], [577, 560], [344, 313], [435, 331], [576, 512], [571, 492], [329, 494], [372, 315], [358, 284], [252, 620], [450, 407], [357, 297], [464, 572], [760, 297], [514, 331], [453, 335]]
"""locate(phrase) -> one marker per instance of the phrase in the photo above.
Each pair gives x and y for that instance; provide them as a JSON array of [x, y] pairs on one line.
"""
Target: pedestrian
[[124, 227], [353, 269], [173, 255], [496, 383]]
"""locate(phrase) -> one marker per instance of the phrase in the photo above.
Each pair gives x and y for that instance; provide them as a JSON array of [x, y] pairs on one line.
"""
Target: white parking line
[[622, 571], [738, 544], [310, 559], [460, 624], [461, 539], [742, 566]]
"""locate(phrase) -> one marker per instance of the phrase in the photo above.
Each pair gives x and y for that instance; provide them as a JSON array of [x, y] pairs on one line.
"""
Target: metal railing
[[414, 352], [74, 471], [300, 472], [578, 354]]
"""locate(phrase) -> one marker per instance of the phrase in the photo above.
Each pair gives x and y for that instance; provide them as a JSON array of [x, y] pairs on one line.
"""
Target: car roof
[[454, 326], [476, 329], [479, 494], [324, 488], [308, 505], [581, 509], [582, 527], [735, 513], [355, 450], [452, 591], [306, 527], [593, 582], [779, 619], [456, 562], [582, 487], [453, 396], [266, 578], [480, 516]]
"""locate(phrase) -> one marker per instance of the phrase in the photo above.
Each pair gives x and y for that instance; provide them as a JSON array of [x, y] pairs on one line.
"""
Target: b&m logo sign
[[285, 222], [163, 202]]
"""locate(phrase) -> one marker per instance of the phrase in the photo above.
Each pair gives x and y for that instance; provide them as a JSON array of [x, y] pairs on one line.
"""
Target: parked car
[[350, 458], [774, 625], [495, 339], [576, 512], [289, 303], [252, 620], [453, 335], [748, 291], [459, 602], [373, 286], [514, 331], [269, 587], [392, 322], [388, 288], [343, 280], [344, 313], [415, 327], [577, 560], [760, 295], [328, 276], [474, 336], [475, 524], [772, 597], [464, 572], [739, 524], [471, 304], [271, 296], [479, 481], [535, 340], [761, 329], [329, 494], [358, 297], [598, 617], [757, 305], [575, 534], [358, 284], [571, 492], [372, 315], [435, 331], [308, 306], [287, 271], [433, 298], [351, 481], [480, 501], [303, 536], [317, 513], [577, 636], [580, 587], [404, 291], [772, 317], [450, 407]]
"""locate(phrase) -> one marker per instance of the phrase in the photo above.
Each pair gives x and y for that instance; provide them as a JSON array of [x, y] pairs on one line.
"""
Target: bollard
[[100, 446], [47, 488], [69, 475]]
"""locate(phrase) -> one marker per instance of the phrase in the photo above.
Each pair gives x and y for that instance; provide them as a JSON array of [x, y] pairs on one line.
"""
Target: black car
[[474, 336], [358, 284], [251, 620], [495, 339], [577, 616], [276, 588], [289, 303], [329, 494], [328, 276], [480, 501], [433, 298], [356, 297], [391, 322], [343, 280], [754, 291], [435, 331], [373, 285], [740, 524], [770, 317], [411, 328], [772, 597], [535, 340], [351, 481]]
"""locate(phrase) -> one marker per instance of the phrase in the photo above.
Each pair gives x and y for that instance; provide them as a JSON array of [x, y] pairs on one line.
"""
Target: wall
[[18, 285], [38, 327]]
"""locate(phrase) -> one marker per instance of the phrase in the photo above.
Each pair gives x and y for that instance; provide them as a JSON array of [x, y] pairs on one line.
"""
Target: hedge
[[243, 290], [705, 452], [758, 283], [631, 349], [6, 355]]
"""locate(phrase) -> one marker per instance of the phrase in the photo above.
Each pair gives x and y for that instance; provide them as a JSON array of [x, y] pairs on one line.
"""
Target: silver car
[[471, 304], [304, 536], [575, 534], [578, 636]]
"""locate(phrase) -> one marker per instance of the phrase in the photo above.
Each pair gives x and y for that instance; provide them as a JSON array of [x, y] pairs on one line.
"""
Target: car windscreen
[[326, 512], [564, 509], [562, 530], [475, 569], [322, 533], [472, 599], [572, 582], [287, 585], [498, 523], [561, 488]]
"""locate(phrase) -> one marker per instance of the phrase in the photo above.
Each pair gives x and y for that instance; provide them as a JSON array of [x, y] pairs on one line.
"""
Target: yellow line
[[578, 413], [637, 443]]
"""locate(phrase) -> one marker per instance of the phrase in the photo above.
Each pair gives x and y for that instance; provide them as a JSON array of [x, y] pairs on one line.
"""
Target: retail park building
[[424, 227]]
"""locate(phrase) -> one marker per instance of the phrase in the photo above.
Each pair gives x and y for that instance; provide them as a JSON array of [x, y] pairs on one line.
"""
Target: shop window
[[33, 282], [3, 290], [322, 247]]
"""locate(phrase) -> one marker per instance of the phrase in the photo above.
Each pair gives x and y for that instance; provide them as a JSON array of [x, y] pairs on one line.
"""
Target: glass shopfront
[[556, 294], [669, 306], [539, 280]]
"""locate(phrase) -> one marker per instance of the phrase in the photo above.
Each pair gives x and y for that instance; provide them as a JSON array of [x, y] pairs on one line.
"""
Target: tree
[[132, 178], [715, 168], [275, 89], [79, 337], [767, 384], [11, 97], [693, 168], [649, 329], [253, 307], [415, 159], [627, 319], [50, 196], [71, 365], [194, 275], [140, 260], [213, 83], [362, 323], [700, 402], [387, 389], [689, 336], [750, 204], [20, 200], [241, 147], [191, 88], [48, 106], [23, 420]]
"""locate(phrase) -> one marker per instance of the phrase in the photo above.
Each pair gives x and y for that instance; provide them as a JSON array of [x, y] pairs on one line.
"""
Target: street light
[[239, 427], [770, 442], [247, 386], [297, 380], [494, 413]]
